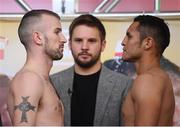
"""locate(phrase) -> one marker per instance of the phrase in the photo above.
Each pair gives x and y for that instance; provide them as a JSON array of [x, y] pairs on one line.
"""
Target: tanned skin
[[150, 100]]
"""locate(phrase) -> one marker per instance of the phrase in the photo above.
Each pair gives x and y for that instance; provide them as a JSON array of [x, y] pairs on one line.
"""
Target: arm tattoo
[[24, 106]]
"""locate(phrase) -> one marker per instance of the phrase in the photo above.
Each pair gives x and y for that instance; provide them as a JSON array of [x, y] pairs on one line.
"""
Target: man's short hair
[[156, 28], [88, 20], [29, 19]]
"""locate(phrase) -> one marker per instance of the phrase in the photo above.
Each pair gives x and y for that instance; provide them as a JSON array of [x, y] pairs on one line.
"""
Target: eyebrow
[[59, 29], [77, 38], [92, 39]]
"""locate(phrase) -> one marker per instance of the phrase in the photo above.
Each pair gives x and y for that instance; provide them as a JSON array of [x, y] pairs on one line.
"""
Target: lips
[[61, 46], [84, 55]]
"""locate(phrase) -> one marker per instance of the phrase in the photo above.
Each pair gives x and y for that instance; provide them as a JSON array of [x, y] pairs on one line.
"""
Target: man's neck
[[40, 66], [147, 64]]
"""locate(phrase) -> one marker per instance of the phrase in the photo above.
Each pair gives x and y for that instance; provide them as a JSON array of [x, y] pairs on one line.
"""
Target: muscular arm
[[147, 98], [26, 91]]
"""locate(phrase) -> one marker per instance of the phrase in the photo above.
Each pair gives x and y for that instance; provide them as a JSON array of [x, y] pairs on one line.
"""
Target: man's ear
[[69, 44], [38, 37], [148, 43], [103, 45]]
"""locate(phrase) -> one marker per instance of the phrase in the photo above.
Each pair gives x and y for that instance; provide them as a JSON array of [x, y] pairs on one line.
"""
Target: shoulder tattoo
[[24, 107]]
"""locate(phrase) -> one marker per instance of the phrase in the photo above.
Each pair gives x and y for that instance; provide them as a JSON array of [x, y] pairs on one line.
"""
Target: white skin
[[86, 47], [32, 82], [150, 100]]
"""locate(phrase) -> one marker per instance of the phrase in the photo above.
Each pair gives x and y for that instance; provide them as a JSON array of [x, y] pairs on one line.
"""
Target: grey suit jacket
[[112, 88]]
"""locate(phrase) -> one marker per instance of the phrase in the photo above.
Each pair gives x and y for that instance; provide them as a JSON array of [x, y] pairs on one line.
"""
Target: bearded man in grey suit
[[91, 93]]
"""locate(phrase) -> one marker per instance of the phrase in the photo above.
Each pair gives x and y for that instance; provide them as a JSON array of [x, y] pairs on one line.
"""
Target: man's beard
[[53, 54], [89, 63]]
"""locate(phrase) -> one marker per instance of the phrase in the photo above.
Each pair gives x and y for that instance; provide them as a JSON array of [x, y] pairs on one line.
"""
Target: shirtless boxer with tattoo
[[32, 98]]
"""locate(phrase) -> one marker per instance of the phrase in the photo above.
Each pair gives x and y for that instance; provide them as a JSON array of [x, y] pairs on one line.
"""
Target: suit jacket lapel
[[66, 94], [104, 90]]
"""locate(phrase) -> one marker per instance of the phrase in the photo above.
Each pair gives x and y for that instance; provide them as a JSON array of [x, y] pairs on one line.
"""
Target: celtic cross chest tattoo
[[24, 106]]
